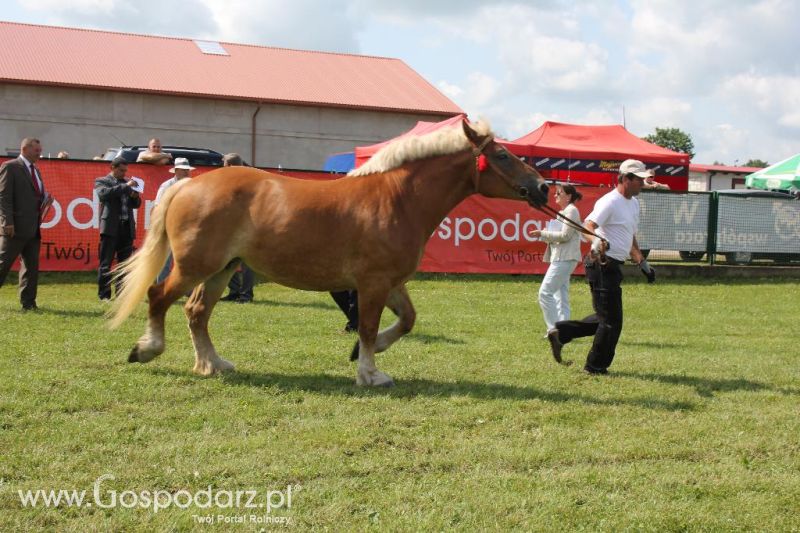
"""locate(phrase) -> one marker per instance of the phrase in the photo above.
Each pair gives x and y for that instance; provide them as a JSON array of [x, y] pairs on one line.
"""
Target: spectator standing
[[118, 199], [23, 199], [182, 169], [153, 155], [240, 287], [651, 183]]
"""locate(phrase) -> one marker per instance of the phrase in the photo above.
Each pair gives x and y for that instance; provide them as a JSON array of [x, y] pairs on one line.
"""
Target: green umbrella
[[782, 176]]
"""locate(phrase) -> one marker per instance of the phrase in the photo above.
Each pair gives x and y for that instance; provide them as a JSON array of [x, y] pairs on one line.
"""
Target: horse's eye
[[502, 156]]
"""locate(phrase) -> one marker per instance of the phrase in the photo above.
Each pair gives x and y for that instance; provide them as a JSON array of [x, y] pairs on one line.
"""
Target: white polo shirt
[[617, 219], [163, 188]]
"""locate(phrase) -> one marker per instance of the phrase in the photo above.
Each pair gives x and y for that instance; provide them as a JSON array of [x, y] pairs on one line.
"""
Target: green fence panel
[[751, 228], [674, 221]]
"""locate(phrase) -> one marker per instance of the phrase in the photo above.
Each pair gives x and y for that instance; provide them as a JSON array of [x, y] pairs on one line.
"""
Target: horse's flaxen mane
[[440, 142]]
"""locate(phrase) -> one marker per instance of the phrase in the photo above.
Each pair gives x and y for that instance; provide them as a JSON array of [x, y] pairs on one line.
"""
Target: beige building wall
[[86, 122]]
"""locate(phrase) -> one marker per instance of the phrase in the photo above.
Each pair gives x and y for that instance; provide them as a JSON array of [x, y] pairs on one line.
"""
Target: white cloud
[[726, 73], [450, 90], [660, 112], [777, 97]]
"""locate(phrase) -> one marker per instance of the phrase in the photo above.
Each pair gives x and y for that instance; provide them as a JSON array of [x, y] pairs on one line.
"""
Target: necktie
[[35, 180]]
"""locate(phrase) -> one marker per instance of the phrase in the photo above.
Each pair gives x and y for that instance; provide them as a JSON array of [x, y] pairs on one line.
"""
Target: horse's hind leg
[[198, 310], [160, 297], [370, 306]]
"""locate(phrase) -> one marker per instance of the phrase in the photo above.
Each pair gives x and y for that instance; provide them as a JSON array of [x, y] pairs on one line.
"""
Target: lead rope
[[601, 258], [481, 165]]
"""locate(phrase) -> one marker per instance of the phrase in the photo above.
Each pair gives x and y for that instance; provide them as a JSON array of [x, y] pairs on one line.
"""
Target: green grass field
[[696, 428]]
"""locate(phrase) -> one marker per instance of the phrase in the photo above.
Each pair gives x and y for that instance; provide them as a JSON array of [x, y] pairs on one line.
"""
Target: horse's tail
[[140, 271]]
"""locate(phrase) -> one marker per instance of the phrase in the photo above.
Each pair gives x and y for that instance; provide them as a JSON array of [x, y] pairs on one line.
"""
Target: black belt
[[614, 261]]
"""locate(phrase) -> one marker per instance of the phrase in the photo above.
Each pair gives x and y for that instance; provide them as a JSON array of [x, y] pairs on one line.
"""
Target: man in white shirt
[[615, 219]]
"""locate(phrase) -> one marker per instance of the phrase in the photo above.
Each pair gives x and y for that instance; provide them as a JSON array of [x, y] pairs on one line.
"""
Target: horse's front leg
[[400, 304], [370, 306]]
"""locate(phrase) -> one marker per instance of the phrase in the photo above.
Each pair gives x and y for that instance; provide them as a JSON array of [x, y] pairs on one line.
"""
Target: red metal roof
[[48, 55], [722, 168]]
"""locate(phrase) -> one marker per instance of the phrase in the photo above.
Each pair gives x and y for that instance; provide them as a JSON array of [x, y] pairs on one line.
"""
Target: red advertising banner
[[480, 235]]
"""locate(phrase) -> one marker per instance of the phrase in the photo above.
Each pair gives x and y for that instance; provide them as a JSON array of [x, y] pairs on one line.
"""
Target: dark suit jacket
[[19, 204], [110, 191]]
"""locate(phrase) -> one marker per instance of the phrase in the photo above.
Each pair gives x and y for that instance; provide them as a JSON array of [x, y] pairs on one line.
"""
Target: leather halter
[[477, 152]]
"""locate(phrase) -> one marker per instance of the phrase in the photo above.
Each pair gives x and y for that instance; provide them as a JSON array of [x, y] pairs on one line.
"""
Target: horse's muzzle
[[537, 196]]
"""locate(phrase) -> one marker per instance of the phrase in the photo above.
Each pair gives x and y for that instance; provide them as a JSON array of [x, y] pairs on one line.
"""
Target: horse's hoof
[[374, 379], [207, 369], [354, 353], [133, 357]]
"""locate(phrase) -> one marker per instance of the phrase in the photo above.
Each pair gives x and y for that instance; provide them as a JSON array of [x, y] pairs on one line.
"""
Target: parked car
[[196, 156]]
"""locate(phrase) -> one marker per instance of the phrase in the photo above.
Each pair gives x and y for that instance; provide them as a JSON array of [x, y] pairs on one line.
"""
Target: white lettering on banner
[[93, 204], [787, 220], [685, 213], [490, 223], [55, 209], [691, 237], [93, 222], [464, 236], [462, 229]]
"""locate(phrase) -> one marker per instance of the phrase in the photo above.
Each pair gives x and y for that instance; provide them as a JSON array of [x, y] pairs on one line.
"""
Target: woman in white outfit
[[563, 253]]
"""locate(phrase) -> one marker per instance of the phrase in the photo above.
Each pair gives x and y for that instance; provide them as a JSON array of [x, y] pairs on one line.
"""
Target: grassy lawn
[[696, 428]]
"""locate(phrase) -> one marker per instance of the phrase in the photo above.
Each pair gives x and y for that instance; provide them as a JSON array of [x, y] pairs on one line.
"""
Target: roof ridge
[[193, 39]]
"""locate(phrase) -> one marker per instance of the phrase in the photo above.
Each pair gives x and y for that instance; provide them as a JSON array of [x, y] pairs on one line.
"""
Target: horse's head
[[501, 174]]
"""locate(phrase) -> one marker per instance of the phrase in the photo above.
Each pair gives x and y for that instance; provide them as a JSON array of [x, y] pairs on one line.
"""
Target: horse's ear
[[471, 134]]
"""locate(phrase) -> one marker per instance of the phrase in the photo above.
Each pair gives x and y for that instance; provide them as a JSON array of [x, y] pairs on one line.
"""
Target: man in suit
[[240, 287], [118, 199], [23, 199]]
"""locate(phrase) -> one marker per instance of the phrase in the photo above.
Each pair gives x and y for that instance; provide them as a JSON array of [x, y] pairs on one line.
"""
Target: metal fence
[[739, 227]]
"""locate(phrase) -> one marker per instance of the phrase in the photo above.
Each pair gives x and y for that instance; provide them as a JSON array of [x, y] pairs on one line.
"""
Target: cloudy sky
[[725, 71]]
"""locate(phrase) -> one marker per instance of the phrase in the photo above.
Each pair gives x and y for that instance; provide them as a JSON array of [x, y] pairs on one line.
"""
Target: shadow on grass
[[426, 338], [706, 387], [99, 313], [274, 303], [651, 344], [414, 387], [688, 279]]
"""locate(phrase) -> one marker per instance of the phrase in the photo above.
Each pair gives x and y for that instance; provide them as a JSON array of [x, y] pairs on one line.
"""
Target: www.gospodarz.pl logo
[[157, 500]]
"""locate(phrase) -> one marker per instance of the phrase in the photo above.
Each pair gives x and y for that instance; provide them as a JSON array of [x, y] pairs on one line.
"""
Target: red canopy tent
[[592, 154], [363, 153]]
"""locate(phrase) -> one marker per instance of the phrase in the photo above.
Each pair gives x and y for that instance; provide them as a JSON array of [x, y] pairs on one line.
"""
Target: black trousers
[[606, 322], [119, 247], [28, 251], [241, 284], [348, 303]]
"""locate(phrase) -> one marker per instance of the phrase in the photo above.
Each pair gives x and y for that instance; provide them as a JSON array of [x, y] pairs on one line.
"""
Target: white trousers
[[554, 292]]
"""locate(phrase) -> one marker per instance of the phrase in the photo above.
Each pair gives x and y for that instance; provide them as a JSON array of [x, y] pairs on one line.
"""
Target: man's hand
[[599, 246], [648, 271], [8, 231]]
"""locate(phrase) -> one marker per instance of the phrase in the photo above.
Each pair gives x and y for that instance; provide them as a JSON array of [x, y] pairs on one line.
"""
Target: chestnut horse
[[366, 231]]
